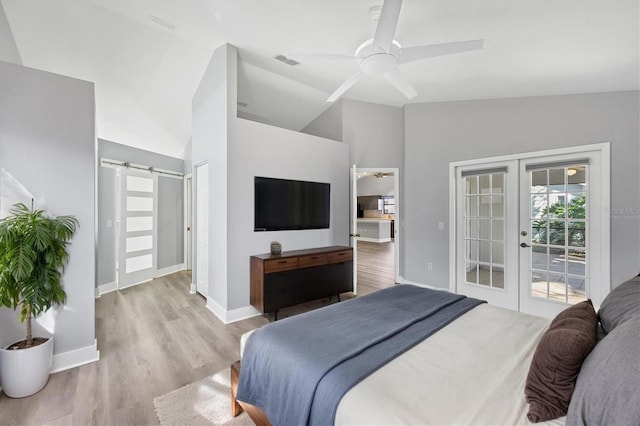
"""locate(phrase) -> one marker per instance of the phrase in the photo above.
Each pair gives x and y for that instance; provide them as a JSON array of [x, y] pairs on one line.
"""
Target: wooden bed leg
[[236, 409]]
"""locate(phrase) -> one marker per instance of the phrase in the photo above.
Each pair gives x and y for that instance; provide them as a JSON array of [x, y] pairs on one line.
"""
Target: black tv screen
[[282, 204]]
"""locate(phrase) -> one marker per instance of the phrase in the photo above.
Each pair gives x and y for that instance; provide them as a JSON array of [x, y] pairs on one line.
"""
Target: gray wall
[[8, 48], [237, 150], [371, 185], [374, 132], [439, 133], [328, 124], [47, 152], [170, 208]]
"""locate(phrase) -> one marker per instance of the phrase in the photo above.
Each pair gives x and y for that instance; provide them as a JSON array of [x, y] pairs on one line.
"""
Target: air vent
[[162, 22], [286, 60]]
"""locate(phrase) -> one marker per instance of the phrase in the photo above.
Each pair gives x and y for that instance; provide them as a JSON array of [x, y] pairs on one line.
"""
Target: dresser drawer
[[277, 265], [312, 260], [340, 256]]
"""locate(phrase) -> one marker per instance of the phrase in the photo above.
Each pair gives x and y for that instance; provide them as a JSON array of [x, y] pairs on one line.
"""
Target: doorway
[[529, 232], [375, 236]]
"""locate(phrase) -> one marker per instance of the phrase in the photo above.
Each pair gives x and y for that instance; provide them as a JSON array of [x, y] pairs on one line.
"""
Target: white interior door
[[531, 233], [138, 228], [202, 229], [188, 221], [486, 225], [353, 235]]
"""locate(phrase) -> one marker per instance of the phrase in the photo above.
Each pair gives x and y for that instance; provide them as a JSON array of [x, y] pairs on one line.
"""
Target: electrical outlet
[[429, 266], [441, 226]]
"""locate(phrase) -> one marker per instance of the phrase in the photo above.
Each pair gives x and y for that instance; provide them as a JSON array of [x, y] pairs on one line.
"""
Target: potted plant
[[33, 252]]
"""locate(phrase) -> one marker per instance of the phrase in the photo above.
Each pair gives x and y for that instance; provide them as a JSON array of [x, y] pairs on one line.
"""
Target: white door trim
[[397, 195], [597, 292]]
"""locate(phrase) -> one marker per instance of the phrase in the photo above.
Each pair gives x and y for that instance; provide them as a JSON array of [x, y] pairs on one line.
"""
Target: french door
[[530, 233], [138, 228]]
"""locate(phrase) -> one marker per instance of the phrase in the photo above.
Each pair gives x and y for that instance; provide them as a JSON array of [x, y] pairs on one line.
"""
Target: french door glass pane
[[485, 229], [558, 220]]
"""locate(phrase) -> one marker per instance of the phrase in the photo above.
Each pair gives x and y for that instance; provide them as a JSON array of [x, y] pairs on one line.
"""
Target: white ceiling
[[146, 74]]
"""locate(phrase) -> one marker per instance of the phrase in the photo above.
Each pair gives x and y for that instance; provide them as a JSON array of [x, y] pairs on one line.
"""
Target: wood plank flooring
[[154, 338]]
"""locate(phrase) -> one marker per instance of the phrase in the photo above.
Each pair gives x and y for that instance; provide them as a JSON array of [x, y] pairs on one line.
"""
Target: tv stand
[[279, 281]]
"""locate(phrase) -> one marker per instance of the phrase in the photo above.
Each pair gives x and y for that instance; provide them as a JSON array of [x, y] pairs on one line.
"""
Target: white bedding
[[472, 371]]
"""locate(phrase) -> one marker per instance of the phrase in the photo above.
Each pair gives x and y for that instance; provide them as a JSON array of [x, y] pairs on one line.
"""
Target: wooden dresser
[[293, 277]]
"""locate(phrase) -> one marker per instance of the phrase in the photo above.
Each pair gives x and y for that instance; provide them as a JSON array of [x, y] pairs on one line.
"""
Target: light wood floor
[[154, 338]]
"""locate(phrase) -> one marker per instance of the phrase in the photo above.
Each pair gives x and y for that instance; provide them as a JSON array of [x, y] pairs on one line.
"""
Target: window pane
[[557, 259], [538, 206], [556, 180], [497, 206], [472, 228], [497, 230], [577, 206], [139, 243], [557, 287], [485, 185], [557, 233], [497, 277], [472, 273], [471, 205], [139, 184], [139, 263], [485, 205], [144, 223], [485, 229], [497, 183], [471, 185], [539, 181], [139, 204]]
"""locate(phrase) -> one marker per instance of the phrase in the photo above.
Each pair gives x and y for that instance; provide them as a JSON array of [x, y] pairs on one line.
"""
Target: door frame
[[188, 221], [397, 195], [600, 285]]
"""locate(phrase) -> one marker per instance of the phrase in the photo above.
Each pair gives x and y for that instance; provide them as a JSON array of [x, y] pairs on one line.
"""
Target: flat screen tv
[[282, 204]]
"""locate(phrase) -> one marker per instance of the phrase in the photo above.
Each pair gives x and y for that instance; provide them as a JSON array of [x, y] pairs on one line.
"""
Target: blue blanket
[[297, 369]]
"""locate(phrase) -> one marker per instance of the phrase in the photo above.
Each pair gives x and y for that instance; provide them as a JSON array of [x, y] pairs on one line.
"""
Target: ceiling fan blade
[[345, 86], [402, 84], [410, 54], [387, 24], [316, 57]]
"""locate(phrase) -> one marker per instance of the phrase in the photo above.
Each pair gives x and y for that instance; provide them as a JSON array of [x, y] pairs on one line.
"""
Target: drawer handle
[[314, 257], [341, 254], [282, 261]]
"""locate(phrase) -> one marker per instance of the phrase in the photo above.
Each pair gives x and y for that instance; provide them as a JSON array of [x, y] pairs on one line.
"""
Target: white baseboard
[[374, 240], [106, 288], [405, 281], [192, 290], [227, 317], [75, 358], [169, 270]]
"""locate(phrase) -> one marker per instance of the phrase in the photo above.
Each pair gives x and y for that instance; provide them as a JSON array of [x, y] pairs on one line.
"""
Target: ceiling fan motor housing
[[375, 61]]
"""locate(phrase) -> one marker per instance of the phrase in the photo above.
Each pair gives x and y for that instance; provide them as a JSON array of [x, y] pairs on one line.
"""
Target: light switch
[[109, 223], [441, 226]]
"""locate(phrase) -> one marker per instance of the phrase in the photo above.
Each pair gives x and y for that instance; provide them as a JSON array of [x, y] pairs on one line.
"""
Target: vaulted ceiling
[[146, 57]]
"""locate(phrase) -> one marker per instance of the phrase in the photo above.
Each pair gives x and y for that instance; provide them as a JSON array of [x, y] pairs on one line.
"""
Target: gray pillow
[[606, 391], [620, 305]]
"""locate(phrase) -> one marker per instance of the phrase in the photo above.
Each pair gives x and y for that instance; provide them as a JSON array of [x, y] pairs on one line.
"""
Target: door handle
[[524, 245]]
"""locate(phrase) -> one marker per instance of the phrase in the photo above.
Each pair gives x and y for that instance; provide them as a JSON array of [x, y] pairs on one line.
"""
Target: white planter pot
[[24, 372]]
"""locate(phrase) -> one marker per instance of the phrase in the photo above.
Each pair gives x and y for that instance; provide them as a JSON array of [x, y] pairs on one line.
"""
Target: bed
[[483, 365]]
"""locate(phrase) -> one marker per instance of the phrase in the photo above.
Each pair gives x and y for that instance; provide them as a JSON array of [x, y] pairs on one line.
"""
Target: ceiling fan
[[381, 55]]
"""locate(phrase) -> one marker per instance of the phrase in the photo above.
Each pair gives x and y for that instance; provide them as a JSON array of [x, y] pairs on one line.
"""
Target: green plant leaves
[[33, 252]]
